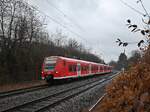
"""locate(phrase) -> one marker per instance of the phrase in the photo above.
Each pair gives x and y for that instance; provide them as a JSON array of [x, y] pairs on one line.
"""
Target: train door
[[99, 69], [89, 68], [79, 69]]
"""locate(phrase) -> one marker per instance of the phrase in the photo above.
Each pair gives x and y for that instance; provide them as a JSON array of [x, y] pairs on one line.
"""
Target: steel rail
[[21, 91], [69, 97], [18, 107], [101, 98]]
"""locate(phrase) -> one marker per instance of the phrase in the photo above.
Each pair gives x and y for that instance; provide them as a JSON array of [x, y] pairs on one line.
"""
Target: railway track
[[52, 100], [22, 91], [101, 98]]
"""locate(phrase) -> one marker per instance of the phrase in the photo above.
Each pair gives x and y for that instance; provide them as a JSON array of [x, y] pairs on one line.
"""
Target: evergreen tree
[[122, 62]]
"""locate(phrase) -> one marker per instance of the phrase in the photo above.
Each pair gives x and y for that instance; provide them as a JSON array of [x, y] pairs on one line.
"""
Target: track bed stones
[[36, 100], [81, 101]]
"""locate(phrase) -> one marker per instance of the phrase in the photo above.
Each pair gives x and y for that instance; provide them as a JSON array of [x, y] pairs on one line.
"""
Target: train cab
[[48, 68]]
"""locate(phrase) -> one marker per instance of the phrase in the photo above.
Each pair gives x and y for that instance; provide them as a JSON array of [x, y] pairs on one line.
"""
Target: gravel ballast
[[83, 100], [13, 101], [80, 102]]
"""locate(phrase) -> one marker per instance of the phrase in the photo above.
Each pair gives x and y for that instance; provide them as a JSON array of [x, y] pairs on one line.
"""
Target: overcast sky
[[98, 22]]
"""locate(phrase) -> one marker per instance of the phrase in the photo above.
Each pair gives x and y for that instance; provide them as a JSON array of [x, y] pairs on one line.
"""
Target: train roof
[[71, 59]]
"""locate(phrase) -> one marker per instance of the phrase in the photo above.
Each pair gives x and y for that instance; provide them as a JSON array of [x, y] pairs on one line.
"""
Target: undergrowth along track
[[21, 91], [54, 99]]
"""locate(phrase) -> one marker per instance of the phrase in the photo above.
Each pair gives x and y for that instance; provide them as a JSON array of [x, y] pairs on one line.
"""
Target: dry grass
[[130, 91], [11, 87]]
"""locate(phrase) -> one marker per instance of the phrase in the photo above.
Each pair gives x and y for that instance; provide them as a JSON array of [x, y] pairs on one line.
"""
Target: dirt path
[[10, 87]]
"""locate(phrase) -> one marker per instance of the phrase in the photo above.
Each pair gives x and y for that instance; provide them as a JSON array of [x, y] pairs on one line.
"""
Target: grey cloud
[[102, 22]]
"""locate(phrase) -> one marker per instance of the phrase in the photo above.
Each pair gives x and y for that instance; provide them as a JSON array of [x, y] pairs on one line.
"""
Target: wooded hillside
[[24, 42]]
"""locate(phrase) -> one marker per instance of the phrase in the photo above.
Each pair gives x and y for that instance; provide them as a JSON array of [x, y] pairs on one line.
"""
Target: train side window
[[87, 68], [82, 68], [70, 68], [96, 67], [74, 68], [93, 68], [101, 68], [64, 62]]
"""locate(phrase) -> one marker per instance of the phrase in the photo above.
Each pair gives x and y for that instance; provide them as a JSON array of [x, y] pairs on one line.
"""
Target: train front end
[[48, 68]]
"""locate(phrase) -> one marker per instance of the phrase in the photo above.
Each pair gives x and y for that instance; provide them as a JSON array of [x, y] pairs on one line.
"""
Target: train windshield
[[49, 64]]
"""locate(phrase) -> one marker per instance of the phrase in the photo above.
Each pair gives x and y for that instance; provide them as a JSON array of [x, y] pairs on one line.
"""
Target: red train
[[57, 67]]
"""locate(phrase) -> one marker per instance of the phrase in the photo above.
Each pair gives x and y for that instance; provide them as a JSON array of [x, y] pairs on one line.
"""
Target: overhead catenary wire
[[57, 22], [141, 13], [144, 8], [64, 15], [137, 11], [145, 11], [63, 25]]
